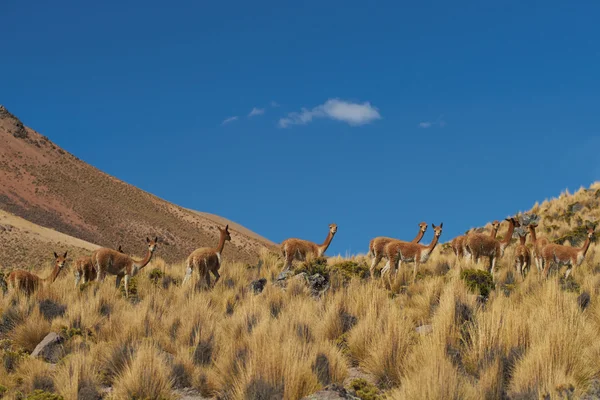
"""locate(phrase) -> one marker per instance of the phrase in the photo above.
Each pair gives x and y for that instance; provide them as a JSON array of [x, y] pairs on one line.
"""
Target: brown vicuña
[[398, 251], [377, 245], [565, 255], [298, 249], [207, 260], [28, 282], [84, 268], [479, 245], [522, 255], [538, 245], [109, 261], [459, 242]]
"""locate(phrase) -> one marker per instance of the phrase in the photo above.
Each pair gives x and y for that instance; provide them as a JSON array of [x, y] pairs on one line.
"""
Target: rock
[[50, 348], [258, 285], [285, 275], [331, 392], [424, 329], [318, 284], [189, 394]]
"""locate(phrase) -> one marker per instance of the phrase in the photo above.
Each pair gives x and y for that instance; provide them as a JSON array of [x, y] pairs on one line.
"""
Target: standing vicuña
[[398, 251], [564, 255], [522, 257], [538, 244], [377, 245], [480, 245], [112, 262], [84, 268], [207, 260], [28, 282], [459, 242], [299, 249]]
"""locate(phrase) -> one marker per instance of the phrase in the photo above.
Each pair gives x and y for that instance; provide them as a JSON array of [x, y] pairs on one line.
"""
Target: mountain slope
[[45, 185]]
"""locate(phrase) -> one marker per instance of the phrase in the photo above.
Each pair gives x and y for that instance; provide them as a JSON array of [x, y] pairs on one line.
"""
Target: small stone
[[50, 349], [424, 329]]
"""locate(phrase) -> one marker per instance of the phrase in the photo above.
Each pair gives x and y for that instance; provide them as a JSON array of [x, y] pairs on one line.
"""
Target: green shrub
[[316, 265], [478, 281], [365, 390], [349, 269], [156, 275]]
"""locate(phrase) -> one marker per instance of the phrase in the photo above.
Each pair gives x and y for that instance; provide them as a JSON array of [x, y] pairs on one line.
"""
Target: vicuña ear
[[65, 256], [227, 227], [55, 255], [441, 224], [147, 240], [432, 225], [156, 239]]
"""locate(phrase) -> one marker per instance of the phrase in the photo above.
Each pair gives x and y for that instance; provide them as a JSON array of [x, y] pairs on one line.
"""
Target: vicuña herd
[[471, 246]]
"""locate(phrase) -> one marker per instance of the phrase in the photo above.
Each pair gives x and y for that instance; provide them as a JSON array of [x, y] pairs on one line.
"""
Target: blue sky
[[371, 117]]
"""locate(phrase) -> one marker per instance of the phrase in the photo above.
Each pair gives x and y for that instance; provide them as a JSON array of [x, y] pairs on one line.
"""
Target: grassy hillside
[[46, 185], [437, 338]]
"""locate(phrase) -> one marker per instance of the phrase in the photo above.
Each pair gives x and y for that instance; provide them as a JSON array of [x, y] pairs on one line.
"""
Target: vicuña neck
[[586, 246], [494, 233], [52, 277], [326, 243], [522, 239], [419, 236], [433, 243], [221, 244], [509, 233], [533, 235], [142, 263]]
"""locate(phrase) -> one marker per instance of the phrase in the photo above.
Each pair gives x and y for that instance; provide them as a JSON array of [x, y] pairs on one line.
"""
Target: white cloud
[[352, 113], [256, 111], [228, 120], [274, 104], [429, 124]]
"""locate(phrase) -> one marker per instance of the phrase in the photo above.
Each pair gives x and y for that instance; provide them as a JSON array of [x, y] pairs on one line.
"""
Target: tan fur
[[29, 283], [458, 243], [398, 251], [207, 260], [522, 256], [377, 245], [565, 255], [298, 249], [84, 268], [109, 261], [538, 245], [479, 245]]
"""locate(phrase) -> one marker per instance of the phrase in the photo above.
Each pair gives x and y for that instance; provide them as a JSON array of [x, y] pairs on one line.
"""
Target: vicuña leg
[[376, 260], [127, 277], [188, 274]]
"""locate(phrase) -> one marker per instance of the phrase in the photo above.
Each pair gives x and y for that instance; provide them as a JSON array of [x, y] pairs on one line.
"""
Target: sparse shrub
[[478, 281], [569, 284], [43, 395], [259, 389], [321, 369], [155, 275], [51, 309]]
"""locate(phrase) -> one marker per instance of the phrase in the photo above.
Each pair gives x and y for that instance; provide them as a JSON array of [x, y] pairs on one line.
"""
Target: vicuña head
[[28, 282]]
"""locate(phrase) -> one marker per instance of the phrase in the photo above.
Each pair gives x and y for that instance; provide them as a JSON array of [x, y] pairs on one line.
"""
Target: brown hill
[[47, 186]]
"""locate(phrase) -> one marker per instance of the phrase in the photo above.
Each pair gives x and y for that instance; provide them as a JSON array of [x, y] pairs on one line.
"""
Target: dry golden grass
[[530, 339]]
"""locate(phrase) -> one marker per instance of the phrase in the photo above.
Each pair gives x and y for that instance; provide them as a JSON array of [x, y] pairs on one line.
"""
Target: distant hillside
[[47, 186], [563, 219]]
